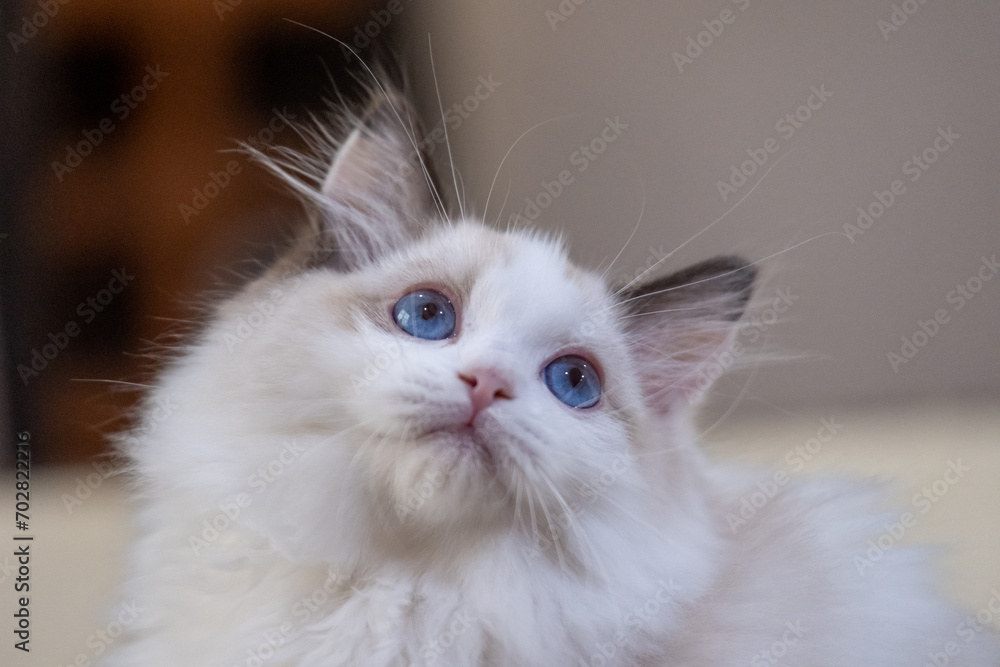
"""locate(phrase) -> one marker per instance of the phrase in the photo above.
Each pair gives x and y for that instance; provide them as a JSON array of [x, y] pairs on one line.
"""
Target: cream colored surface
[[911, 448], [78, 557]]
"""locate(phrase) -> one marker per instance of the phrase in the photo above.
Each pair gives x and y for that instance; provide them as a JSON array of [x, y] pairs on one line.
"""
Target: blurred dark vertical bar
[[18, 130]]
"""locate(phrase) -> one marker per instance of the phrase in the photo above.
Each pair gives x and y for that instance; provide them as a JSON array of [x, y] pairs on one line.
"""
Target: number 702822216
[[22, 477]]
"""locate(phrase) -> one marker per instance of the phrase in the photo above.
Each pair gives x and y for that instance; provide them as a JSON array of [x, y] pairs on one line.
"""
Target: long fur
[[314, 500]]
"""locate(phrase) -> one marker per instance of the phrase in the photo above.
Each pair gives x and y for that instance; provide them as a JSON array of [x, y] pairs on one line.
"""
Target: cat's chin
[[446, 475], [464, 446]]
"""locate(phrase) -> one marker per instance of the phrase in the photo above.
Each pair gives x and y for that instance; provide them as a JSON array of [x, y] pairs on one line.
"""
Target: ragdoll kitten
[[422, 441]]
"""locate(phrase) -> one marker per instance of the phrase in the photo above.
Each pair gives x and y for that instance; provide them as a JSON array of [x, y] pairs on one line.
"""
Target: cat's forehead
[[496, 267], [518, 285]]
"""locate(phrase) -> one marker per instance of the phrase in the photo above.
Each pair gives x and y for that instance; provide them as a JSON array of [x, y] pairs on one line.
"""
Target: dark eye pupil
[[429, 311], [575, 376]]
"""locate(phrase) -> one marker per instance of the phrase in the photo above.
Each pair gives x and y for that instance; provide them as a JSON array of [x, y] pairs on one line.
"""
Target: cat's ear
[[678, 326], [379, 190]]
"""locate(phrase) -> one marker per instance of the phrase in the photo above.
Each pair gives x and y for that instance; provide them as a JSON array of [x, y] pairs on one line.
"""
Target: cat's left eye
[[574, 381], [425, 314]]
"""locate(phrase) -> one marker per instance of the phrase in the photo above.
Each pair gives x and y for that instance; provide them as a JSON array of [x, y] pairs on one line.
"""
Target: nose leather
[[486, 385]]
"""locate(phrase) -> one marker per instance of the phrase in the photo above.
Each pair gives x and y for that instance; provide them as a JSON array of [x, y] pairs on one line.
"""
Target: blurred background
[[853, 147]]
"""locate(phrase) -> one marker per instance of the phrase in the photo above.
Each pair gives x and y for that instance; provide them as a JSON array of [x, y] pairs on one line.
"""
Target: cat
[[417, 440]]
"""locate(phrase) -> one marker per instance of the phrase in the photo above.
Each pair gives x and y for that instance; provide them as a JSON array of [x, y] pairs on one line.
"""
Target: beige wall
[[890, 90], [889, 95]]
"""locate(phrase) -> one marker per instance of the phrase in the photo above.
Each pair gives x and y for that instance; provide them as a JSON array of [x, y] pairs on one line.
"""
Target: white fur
[[355, 531]]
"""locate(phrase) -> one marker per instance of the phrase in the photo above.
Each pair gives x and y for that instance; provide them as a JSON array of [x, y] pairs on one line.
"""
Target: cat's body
[[329, 489]]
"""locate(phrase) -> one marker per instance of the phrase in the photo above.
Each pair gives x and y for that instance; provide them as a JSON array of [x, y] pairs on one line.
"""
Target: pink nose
[[485, 386]]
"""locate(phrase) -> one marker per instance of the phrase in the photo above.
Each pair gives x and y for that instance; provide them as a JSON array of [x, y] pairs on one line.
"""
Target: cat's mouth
[[463, 443]]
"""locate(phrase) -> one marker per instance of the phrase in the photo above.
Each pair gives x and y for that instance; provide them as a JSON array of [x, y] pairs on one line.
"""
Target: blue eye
[[425, 314], [574, 381]]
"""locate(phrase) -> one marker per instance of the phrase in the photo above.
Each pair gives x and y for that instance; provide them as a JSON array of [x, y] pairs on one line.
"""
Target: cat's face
[[463, 425], [444, 381]]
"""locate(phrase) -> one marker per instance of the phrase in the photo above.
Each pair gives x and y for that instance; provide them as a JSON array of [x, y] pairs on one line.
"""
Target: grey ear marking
[[727, 281], [679, 322]]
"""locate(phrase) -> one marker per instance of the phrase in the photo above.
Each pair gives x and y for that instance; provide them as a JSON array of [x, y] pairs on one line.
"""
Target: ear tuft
[[678, 323], [379, 191], [366, 179]]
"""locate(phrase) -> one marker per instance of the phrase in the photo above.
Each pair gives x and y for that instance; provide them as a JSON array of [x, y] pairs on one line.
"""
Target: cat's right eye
[[574, 381], [425, 314]]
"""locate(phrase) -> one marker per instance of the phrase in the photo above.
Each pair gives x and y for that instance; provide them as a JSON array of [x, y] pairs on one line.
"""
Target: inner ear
[[677, 323], [381, 162], [379, 191]]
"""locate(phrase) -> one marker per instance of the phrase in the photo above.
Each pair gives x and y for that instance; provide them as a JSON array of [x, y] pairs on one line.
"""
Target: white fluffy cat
[[421, 441]]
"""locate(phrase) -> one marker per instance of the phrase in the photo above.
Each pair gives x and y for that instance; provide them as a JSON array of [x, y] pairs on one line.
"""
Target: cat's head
[[399, 379]]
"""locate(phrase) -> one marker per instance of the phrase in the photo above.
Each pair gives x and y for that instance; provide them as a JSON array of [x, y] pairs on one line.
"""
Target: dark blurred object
[[120, 202]]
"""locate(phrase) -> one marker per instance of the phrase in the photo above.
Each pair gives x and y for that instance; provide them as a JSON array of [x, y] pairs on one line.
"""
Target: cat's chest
[[392, 621]]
